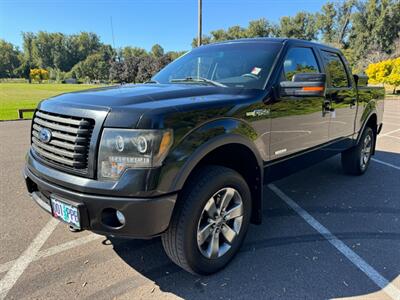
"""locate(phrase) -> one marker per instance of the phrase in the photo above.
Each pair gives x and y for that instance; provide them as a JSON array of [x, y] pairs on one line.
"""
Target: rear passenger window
[[299, 60], [336, 69]]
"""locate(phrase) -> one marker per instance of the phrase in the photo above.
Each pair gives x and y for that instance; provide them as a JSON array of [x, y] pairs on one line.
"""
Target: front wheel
[[210, 220], [355, 160]]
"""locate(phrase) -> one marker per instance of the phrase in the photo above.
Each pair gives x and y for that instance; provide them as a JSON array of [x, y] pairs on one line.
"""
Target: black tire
[[354, 161], [180, 241]]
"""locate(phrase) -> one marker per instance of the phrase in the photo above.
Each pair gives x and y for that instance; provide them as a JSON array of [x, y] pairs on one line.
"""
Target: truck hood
[[127, 103], [129, 95]]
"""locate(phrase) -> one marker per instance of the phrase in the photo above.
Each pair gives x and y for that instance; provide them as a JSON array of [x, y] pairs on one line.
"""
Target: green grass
[[14, 96], [391, 96], [389, 93]]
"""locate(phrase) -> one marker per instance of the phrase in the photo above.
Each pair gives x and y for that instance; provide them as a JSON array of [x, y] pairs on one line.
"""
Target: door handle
[[326, 107], [353, 103]]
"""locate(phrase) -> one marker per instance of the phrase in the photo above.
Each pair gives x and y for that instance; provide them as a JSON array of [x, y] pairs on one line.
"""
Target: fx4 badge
[[257, 113]]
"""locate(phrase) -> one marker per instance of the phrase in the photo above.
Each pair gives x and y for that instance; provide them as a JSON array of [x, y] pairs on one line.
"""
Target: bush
[[56, 75], [394, 77], [386, 72], [39, 75]]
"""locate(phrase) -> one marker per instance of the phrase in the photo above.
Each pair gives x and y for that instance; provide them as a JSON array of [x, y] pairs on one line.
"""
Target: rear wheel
[[210, 220], [355, 161]]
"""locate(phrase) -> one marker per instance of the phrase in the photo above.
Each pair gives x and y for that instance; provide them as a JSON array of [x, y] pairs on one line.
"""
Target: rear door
[[342, 94], [297, 122]]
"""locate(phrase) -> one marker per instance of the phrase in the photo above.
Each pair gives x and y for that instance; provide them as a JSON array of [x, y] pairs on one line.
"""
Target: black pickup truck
[[185, 155]]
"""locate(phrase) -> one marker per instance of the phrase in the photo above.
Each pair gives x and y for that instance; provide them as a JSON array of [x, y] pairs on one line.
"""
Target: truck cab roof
[[278, 40]]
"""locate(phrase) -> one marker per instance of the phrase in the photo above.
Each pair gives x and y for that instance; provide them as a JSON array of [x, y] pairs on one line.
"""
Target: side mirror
[[304, 85], [361, 80]]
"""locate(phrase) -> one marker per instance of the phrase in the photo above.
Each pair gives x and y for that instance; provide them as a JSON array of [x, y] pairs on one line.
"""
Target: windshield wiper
[[152, 81], [198, 80]]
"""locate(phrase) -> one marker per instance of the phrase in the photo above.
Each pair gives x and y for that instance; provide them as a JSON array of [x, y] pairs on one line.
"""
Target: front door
[[297, 122]]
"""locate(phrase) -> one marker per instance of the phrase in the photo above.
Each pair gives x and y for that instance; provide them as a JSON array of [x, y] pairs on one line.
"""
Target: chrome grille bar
[[69, 142]]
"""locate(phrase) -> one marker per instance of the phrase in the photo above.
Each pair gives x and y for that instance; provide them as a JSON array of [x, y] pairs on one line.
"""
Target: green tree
[[256, 28], [375, 25], [344, 13], [157, 50], [27, 61], [172, 55], [301, 26], [236, 32], [388, 25], [43, 49], [118, 72], [259, 28], [61, 56], [133, 51], [149, 65], [334, 22], [9, 59], [325, 21], [204, 41], [131, 66], [219, 35], [85, 43], [96, 66]]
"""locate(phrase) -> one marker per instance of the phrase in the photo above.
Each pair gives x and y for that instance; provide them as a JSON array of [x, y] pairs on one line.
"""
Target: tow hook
[[73, 229]]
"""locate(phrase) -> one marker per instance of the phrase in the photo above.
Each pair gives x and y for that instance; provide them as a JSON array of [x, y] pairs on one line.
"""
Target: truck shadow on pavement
[[285, 258]]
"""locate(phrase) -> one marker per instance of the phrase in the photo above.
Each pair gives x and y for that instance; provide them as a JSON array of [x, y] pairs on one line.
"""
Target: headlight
[[121, 149]]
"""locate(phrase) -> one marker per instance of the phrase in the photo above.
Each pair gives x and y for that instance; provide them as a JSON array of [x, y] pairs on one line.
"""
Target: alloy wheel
[[220, 223], [366, 151]]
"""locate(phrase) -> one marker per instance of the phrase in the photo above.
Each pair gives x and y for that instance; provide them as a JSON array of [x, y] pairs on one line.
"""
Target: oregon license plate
[[65, 212]]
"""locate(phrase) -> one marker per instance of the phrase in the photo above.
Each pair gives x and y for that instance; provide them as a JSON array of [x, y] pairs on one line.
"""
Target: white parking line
[[391, 136], [56, 249], [68, 245], [385, 163], [390, 132], [390, 123], [22, 262], [361, 264]]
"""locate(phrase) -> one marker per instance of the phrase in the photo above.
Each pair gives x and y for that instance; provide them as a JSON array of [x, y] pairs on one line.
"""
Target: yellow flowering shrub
[[394, 76], [386, 72], [39, 74]]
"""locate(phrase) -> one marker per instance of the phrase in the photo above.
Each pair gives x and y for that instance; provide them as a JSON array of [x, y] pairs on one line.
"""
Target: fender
[[208, 147], [201, 141], [369, 111]]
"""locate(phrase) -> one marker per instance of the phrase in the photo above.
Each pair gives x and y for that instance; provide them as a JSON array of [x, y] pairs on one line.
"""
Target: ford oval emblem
[[44, 135]]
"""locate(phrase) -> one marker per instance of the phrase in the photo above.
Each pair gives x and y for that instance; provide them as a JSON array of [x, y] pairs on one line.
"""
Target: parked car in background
[[185, 156]]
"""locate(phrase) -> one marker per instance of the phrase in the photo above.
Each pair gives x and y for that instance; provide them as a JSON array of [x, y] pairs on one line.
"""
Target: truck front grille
[[69, 141]]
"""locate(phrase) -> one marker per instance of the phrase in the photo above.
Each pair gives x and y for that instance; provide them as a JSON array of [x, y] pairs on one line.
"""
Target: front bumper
[[145, 217]]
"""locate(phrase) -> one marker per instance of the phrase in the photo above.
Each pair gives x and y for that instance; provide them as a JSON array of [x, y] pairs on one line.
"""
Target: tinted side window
[[336, 70], [299, 60]]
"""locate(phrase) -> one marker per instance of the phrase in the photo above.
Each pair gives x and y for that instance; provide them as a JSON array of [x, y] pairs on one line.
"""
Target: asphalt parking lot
[[325, 235]]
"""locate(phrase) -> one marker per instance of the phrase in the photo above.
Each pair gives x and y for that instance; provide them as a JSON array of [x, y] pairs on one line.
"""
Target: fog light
[[120, 217]]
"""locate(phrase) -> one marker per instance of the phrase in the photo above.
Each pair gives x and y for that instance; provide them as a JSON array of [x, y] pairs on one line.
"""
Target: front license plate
[[65, 212]]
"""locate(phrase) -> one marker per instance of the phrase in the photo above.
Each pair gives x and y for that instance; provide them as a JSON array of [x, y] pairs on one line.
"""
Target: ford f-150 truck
[[185, 155]]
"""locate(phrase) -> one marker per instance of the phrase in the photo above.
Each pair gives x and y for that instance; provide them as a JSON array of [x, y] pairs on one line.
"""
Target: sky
[[142, 23]]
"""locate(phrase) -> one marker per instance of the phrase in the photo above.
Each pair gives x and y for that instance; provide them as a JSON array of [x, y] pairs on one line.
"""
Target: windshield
[[241, 65]]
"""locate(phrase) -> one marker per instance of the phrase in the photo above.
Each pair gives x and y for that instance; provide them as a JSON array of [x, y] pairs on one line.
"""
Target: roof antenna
[[113, 38]]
